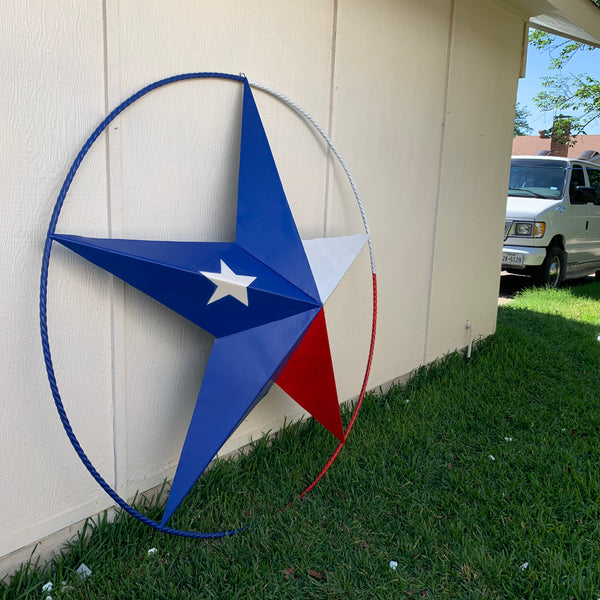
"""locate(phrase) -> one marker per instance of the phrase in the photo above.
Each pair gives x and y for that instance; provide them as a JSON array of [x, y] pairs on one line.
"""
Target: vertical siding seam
[[115, 226], [329, 164], [439, 181]]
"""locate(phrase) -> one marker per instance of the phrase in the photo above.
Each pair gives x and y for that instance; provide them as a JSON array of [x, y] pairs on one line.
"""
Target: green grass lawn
[[480, 479]]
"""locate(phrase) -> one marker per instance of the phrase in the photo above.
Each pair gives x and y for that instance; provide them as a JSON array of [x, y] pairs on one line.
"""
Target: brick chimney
[[558, 148], [560, 136]]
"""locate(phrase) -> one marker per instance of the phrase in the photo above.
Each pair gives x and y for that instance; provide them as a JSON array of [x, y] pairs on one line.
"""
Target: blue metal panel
[[240, 370], [171, 272], [265, 226]]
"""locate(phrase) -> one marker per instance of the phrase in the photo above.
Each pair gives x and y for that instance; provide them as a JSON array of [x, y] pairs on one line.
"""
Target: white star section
[[330, 258], [229, 284]]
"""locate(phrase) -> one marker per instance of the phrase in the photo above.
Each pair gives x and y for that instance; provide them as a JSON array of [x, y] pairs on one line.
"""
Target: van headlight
[[536, 229], [524, 229]]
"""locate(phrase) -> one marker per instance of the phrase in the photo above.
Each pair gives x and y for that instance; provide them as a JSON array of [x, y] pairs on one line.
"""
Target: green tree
[[521, 124], [566, 92]]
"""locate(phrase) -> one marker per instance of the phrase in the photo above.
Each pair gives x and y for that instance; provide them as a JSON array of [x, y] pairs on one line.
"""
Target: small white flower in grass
[[598, 340], [524, 566], [393, 565], [406, 401], [152, 551], [508, 439], [47, 587], [491, 457]]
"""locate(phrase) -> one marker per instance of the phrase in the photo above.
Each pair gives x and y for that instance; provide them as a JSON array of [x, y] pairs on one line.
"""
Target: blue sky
[[537, 67]]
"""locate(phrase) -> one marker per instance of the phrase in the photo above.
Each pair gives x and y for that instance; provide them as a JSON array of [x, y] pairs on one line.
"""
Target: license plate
[[512, 260]]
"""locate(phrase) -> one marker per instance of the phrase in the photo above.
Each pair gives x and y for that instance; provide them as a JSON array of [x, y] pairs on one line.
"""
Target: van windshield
[[535, 178]]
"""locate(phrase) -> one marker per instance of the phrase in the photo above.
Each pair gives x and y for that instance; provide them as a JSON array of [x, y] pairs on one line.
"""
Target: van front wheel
[[551, 271]]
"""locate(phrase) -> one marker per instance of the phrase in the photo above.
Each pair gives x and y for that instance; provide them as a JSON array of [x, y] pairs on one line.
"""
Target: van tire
[[552, 270]]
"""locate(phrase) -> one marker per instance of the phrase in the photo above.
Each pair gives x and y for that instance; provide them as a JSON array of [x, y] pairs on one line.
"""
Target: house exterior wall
[[418, 97], [483, 72]]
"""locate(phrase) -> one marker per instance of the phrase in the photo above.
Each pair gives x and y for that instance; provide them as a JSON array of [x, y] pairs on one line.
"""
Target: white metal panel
[[330, 258]]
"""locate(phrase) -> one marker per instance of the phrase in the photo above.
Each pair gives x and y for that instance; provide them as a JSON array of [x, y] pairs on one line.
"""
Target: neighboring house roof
[[531, 145]]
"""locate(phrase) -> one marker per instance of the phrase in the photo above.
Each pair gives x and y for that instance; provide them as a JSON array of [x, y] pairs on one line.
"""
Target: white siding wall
[[484, 66], [52, 95], [418, 97]]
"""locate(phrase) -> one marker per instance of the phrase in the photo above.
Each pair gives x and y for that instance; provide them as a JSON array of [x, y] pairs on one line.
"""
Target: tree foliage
[[563, 92], [521, 121]]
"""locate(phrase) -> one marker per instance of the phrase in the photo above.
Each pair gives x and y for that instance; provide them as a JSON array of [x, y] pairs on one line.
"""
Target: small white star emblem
[[229, 284]]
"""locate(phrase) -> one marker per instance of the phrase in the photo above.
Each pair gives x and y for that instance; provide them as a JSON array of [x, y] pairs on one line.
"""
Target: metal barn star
[[261, 297]]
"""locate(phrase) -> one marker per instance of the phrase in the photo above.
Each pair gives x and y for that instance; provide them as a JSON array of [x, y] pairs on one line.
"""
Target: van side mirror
[[584, 195]]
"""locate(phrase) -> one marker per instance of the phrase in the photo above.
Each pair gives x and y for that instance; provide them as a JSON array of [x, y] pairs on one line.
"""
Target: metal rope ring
[[44, 292]]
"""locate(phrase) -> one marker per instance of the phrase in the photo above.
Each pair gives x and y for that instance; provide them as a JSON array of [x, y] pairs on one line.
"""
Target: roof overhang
[[578, 20]]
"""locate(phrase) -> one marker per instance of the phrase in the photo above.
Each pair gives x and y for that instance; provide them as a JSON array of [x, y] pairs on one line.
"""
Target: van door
[[594, 215], [576, 222]]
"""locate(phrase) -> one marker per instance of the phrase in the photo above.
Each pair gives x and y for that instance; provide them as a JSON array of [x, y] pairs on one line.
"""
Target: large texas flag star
[[261, 297]]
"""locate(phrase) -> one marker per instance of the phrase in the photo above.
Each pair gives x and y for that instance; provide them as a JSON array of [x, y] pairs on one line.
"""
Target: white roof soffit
[[578, 20]]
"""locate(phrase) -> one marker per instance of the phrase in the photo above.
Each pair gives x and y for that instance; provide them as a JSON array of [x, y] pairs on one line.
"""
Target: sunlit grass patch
[[578, 303]]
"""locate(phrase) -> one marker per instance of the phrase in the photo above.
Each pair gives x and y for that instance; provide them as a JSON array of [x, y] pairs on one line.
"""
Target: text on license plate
[[515, 260]]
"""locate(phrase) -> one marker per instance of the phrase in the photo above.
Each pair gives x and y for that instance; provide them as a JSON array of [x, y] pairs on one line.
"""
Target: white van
[[552, 228]]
